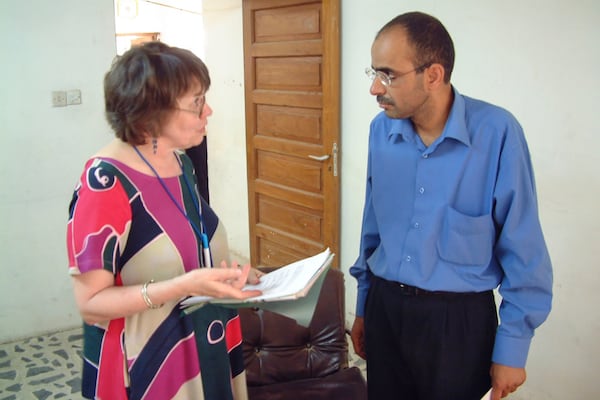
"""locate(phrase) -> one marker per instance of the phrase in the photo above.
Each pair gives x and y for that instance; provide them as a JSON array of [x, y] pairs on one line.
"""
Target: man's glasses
[[198, 107], [386, 80]]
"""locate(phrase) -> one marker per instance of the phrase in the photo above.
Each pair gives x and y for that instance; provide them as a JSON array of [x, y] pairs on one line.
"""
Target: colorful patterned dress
[[125, 222]]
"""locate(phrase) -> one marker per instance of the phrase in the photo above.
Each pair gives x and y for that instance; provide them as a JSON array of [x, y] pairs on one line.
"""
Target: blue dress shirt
[[460, 215]]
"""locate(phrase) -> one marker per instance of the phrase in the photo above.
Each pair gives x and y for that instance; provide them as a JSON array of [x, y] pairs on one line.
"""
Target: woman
[[140, 239]]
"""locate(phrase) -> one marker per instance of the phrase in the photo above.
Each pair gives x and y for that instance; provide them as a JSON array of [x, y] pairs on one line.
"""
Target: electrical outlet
[[73, 97], [59, 98]]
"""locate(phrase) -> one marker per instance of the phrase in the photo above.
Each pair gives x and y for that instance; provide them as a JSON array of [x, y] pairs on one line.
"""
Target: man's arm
[[526, 288]]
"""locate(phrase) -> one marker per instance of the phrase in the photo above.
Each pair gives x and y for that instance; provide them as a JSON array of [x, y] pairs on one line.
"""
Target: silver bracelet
[[147, 300]]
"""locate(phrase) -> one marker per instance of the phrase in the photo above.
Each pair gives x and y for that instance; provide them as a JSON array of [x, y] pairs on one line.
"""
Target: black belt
[[408, 290]]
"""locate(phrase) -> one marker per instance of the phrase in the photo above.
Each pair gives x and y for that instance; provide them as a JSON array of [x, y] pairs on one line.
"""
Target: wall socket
[[73, 97], [63, 98], [59, 98]]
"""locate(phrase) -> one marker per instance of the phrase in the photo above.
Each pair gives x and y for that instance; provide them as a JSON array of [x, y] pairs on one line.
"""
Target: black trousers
[[428, 345]]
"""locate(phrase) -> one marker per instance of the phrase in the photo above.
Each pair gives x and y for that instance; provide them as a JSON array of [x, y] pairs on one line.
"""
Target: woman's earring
[[154, 145]]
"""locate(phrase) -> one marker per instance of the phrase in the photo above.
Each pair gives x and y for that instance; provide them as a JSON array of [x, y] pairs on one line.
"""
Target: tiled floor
[[42, 367], [48, 367], [356, 361]]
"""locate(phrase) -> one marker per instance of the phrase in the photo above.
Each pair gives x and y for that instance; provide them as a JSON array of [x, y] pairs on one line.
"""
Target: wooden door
[[292, 80]]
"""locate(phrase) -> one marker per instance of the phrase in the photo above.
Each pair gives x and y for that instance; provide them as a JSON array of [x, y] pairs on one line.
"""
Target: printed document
[[290, 282], [300, 281], [488, 395]]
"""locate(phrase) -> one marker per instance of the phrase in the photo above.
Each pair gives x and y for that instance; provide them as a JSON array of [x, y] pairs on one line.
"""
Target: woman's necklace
[[200, 232]]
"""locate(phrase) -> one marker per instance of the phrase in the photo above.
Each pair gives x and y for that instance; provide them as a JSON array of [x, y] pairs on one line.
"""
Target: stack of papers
[[290, 282], [487, 396]]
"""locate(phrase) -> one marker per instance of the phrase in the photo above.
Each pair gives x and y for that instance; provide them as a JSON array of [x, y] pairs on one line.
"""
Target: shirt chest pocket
[[466, 240]]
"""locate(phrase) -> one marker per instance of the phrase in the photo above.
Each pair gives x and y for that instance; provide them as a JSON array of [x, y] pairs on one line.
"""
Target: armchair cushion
[[285, 360], [345, 384]]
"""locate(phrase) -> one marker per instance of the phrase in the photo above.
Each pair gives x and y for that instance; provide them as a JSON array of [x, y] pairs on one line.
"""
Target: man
[[450, 214], [199, 156]]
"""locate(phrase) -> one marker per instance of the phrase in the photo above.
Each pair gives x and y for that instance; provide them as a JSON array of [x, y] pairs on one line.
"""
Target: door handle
[[325, 157], [319, 158]]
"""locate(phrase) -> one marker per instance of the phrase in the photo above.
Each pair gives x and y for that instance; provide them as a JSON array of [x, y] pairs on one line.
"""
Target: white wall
[[226, 128], [179, 23], [46, 46], [537, 58]]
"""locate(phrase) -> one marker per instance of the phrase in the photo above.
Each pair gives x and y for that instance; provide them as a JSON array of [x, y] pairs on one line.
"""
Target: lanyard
[[207, 261]]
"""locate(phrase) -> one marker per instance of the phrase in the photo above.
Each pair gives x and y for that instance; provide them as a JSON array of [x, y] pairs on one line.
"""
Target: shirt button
[[416, 225], [421, 190], [425, 155], [408, 258]]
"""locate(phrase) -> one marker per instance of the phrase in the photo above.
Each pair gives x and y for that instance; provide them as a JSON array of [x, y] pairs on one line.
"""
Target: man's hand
[[505, 380], [358, 337]]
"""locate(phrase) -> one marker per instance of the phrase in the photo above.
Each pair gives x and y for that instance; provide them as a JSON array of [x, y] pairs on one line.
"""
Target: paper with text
[[289, 282]]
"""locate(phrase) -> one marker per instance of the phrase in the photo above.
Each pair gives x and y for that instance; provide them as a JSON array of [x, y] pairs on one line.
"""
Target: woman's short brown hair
[[142, 87]]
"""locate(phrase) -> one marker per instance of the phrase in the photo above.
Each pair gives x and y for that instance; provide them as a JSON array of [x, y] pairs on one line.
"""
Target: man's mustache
[[384, 100]]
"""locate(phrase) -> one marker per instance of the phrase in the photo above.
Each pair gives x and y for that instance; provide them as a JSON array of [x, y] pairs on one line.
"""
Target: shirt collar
[[456, 125]]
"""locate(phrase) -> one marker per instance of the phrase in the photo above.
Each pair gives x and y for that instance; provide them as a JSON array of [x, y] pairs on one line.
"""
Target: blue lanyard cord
[[199, 231]]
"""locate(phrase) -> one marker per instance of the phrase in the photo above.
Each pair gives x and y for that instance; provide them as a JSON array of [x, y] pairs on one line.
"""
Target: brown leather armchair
[[287, 361]]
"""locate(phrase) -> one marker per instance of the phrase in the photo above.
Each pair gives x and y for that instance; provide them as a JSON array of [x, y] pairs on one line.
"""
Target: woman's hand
[[253, 276], [220, 282], [99, 300]]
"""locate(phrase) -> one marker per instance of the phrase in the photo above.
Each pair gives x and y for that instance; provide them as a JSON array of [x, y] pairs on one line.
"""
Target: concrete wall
[[46, 46]]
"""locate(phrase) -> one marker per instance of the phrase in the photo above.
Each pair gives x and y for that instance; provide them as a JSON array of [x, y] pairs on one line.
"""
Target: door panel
[[291, 50], [289, 73], [293, 123], [291, 172], [296, 220]]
